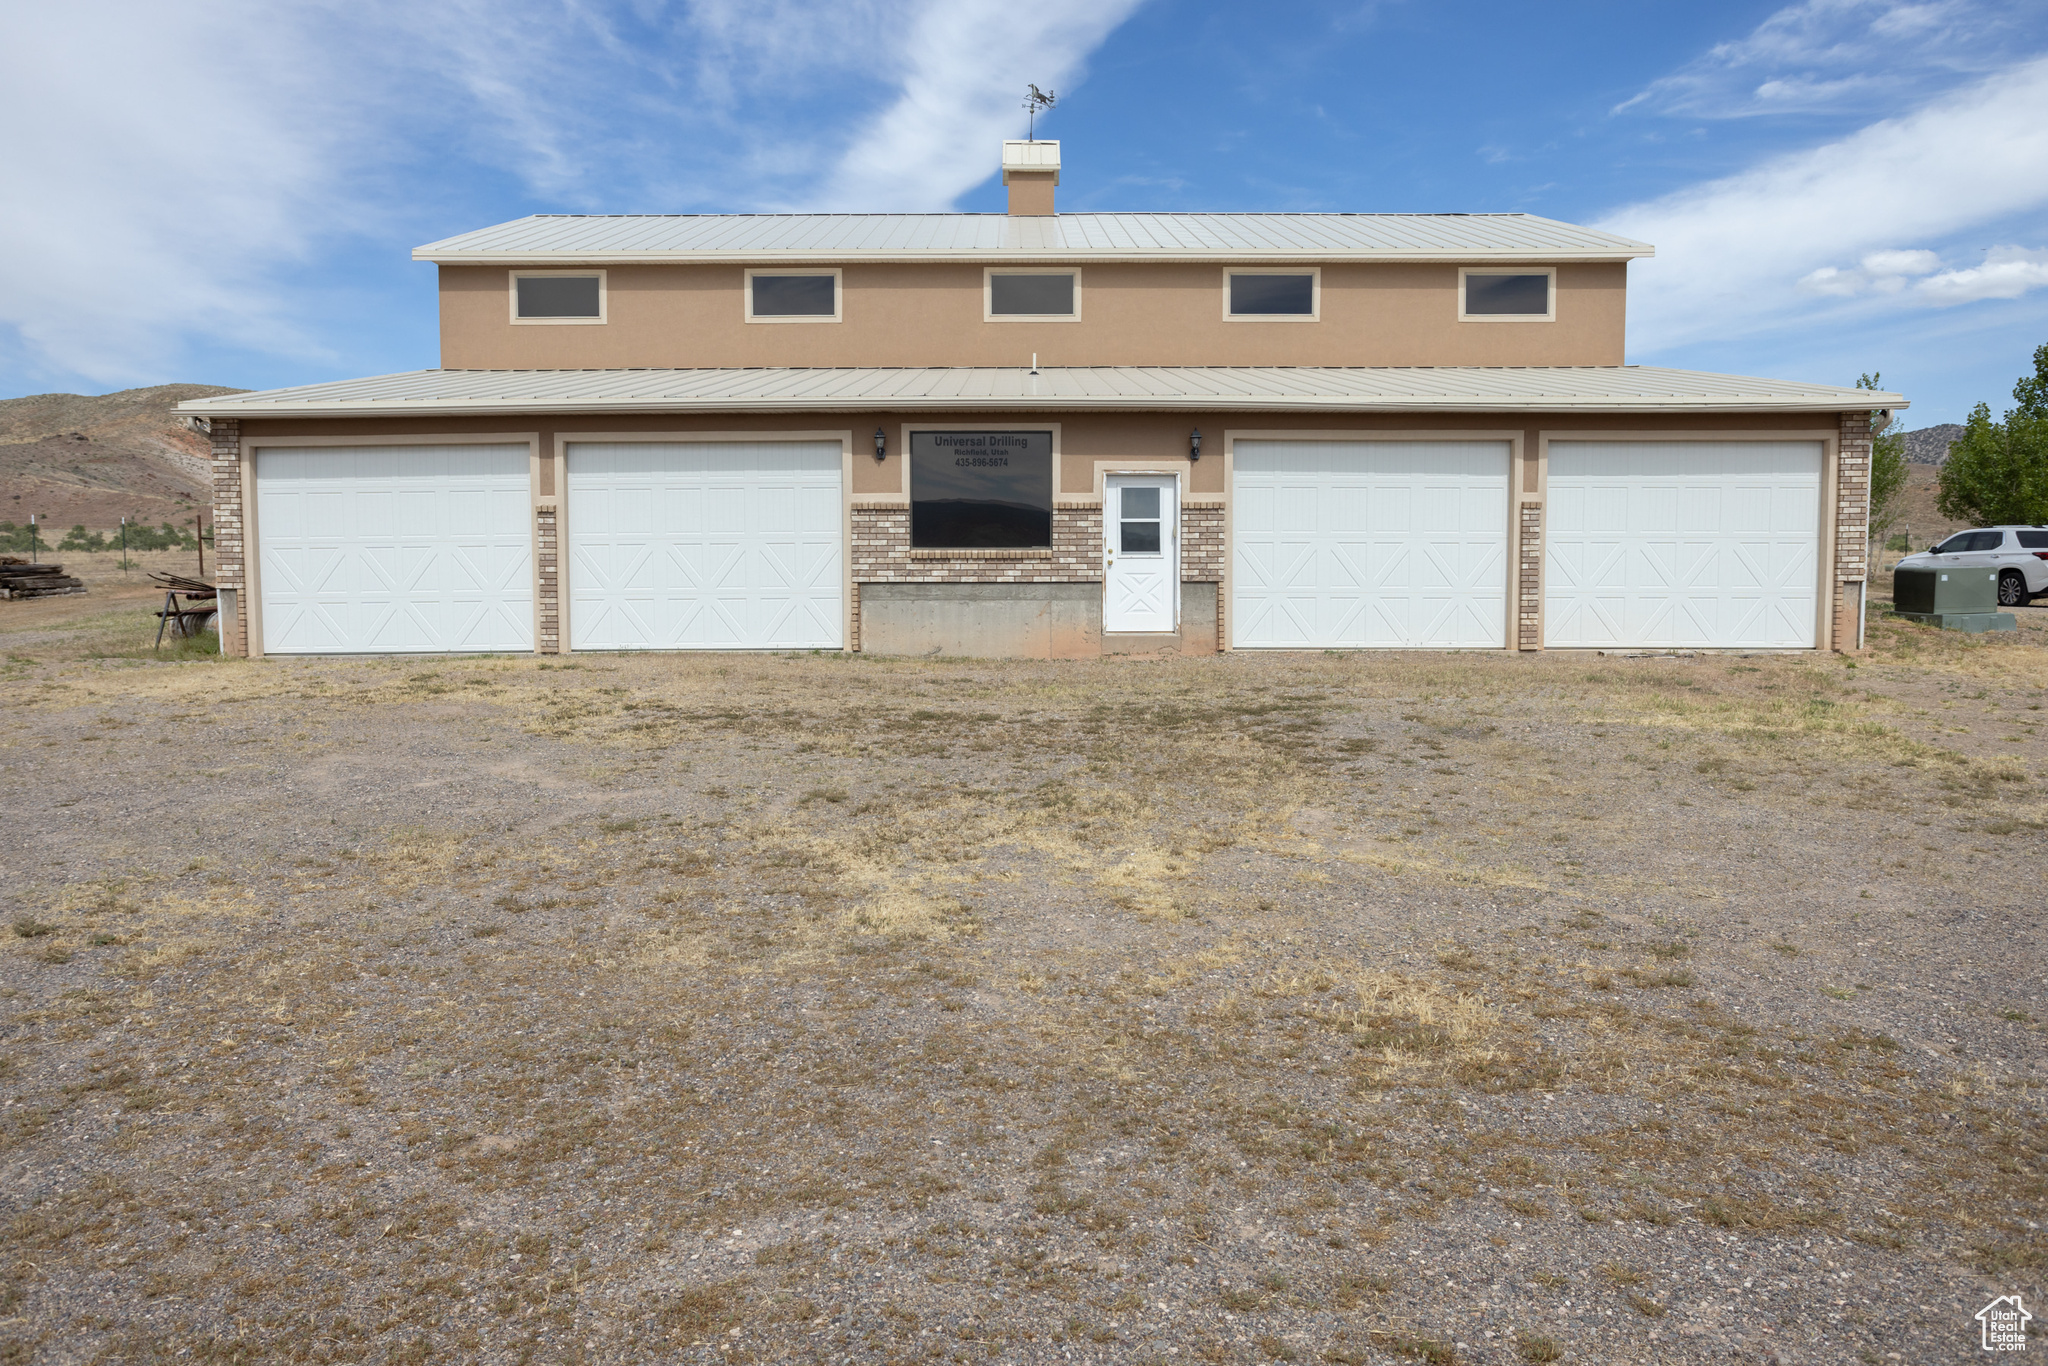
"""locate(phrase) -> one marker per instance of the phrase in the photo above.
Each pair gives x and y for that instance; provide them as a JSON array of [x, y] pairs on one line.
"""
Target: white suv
[[2019, 553]]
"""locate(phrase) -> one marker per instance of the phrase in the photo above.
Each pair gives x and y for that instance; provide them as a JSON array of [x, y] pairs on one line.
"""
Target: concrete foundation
[[1019, 621], [982, 620]]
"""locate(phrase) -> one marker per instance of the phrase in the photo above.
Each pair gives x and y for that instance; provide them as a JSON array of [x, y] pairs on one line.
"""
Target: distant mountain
[[92, 459], [1929, 445]]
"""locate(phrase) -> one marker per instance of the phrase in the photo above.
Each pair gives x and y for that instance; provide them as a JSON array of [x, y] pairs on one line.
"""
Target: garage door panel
[[1273, 618], [715, 545], [418, 548], [1398, 544], [313, 627], [1682, 543], [1389, 509], [1593, 619]]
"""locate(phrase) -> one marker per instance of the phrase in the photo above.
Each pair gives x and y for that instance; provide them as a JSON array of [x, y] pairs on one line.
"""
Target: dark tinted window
[[1277, 295], [2033, 540], [794, 296], [1507, 295], [1964, 542], [557, 296], [1031, 294], [980, 489]]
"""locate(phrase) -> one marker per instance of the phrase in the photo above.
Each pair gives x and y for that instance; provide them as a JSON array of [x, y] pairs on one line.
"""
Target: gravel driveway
[[1306, 1008]]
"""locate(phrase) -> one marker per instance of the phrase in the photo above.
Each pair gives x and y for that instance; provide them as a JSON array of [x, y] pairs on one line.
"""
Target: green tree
[[2031, 393], [1887, 464], [1998, 471]]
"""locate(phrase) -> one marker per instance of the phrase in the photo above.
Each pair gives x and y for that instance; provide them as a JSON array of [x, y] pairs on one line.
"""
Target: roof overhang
[[1587, 389], [1006, 256], [1072, 238]]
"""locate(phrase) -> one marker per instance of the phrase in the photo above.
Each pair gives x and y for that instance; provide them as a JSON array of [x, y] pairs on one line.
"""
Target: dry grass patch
[[820, 999], [1406, 1025]]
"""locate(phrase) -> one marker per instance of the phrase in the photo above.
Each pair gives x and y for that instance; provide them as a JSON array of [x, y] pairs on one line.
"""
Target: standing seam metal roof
[[1617, 388], [820, 236]]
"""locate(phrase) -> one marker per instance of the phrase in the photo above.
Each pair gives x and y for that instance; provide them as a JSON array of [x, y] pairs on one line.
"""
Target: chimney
[[1031, 169]]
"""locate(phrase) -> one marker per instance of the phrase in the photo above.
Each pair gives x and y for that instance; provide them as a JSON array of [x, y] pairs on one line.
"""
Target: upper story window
[[793, 296], [1272, 295], [558, 296], [1504, 296], [1031, 295]]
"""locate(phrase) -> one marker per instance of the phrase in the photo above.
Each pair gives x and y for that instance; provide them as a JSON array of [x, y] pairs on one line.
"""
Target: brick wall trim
[[547, 588], [1529, 575], [1850, 560], [230, 544]]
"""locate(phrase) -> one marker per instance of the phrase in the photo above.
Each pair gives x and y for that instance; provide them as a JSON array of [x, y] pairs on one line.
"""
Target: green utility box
[[1955, 599]]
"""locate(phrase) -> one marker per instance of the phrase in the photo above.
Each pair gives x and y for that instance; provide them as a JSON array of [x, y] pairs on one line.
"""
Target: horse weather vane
[[1036, 103]]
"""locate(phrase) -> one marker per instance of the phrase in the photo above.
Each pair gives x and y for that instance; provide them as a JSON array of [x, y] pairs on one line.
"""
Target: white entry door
[[394, 549], [1140, 553], [1369, 543], [1682, 543], [705, 545]]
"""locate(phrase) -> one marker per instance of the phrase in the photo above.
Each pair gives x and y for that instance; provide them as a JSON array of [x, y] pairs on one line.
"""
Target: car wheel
[[2012, 589]]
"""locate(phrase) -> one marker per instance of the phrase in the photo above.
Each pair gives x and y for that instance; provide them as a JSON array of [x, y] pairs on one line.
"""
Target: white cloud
[[960, 94], [1833, 281], [1836, 55], [1894, 263], [2007, 273], [1729, 251], [171, 168], [1883, 272], [156, 167]]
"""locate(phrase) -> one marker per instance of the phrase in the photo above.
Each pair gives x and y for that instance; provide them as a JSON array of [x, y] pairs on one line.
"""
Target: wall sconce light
[[1195, 444], [881, 445]]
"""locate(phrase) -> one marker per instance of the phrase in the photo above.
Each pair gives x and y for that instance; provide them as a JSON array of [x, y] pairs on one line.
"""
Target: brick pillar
[[853, 621], [548, 582], [1852, 524], [1529, 580], [230, 574]]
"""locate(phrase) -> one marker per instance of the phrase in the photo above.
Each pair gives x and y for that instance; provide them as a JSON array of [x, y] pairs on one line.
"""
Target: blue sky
[[1835, 186]]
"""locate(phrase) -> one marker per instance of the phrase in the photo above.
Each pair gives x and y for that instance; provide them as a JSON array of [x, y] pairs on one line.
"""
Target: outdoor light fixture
[[881, 445], [1195, 444]]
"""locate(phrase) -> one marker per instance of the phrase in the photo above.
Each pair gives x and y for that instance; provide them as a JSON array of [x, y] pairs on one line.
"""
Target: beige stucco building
[[1043, 434]]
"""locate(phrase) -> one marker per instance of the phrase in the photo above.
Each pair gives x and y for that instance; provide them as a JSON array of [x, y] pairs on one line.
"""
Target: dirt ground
[[1320, 1008], [1918, 517]]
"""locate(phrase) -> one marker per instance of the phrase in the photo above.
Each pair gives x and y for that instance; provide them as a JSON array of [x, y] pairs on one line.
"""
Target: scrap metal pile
[[201, 602]]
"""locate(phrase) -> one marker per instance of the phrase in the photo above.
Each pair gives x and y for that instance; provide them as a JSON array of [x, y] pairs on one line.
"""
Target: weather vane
[[1036, 103]]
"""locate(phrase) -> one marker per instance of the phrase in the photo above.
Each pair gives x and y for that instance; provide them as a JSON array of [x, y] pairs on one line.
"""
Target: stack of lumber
[[20, 579]]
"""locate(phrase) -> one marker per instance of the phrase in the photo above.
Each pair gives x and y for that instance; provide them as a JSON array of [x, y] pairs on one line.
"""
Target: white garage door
[[1682, 543], [705, 545], [1369, 543], [394, 549]]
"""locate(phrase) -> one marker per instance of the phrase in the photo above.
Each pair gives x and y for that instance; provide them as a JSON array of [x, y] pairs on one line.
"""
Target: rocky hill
[[92, 459], [1929, 445]]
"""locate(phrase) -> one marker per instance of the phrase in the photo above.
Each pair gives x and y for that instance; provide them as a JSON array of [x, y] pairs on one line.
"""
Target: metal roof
[[588, 239], [1612, 389]]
